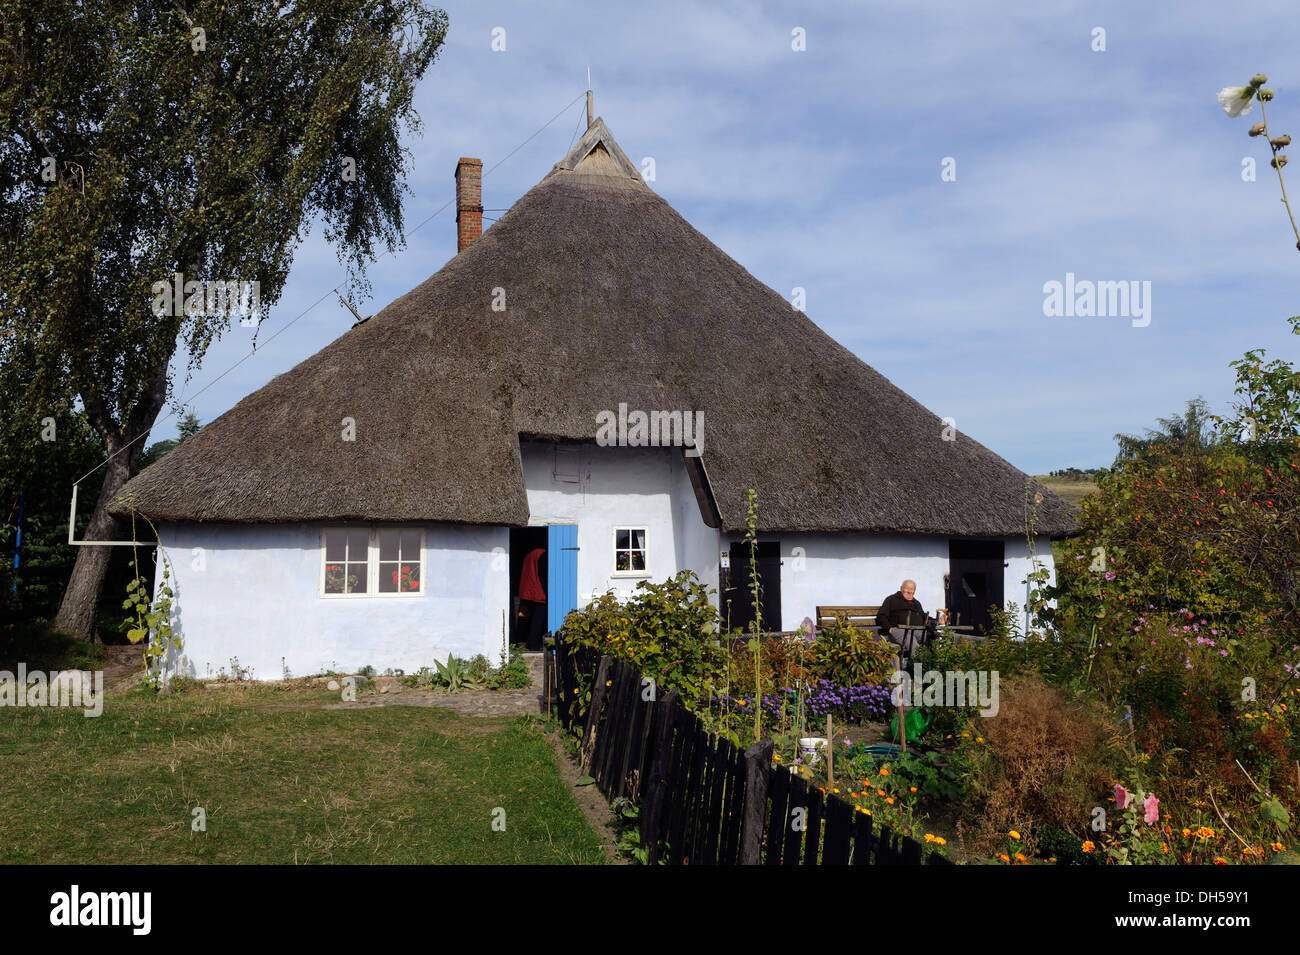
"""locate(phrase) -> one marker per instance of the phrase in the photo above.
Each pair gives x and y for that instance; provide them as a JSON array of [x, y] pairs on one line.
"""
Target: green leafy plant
[[627, 823], [151, 619]]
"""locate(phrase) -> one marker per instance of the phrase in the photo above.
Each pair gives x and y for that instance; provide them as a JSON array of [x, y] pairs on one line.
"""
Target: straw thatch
[[610, 297]]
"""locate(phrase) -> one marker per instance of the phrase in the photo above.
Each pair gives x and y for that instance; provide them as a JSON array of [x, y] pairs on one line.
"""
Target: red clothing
[[530, 588]]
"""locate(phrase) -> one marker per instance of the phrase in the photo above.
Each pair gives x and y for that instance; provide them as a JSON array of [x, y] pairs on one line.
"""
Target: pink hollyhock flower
[[1151, 810], [1122, 796]]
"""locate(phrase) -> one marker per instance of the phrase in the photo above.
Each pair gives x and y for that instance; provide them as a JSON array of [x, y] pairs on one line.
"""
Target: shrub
[[1041, 760], [668, 631], [847, 656]]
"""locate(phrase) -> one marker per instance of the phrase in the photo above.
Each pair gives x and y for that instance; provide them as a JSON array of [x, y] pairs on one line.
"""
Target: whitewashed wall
[[864, 569], [643, 487], [257, 600], [1020, 562]]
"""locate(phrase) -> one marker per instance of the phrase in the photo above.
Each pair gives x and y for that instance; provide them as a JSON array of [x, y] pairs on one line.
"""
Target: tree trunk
[[79, 610]]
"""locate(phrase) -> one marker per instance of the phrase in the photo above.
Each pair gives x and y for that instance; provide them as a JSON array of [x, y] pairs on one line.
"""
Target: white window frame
[[614, 548], [372, 562]]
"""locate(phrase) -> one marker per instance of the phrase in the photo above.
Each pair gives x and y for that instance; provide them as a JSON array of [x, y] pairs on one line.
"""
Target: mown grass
[[282, 780]]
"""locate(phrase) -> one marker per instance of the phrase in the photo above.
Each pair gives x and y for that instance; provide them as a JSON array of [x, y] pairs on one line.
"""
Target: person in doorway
[[532, 597], [900, 610]]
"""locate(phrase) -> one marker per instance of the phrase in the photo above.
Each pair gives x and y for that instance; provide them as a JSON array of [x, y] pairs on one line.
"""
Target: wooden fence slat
[[714, 812], [779, 787], [653, 816], [612, 728], [839, 830], [886, 853], [635, 764], [683, 753], [632, 711], [591, 726], [863, 838], [696, 786], [794, 837], [737, 778], [911, 851], [813, 823]]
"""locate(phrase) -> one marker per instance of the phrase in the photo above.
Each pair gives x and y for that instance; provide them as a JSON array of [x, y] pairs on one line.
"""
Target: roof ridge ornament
[[597, 134]]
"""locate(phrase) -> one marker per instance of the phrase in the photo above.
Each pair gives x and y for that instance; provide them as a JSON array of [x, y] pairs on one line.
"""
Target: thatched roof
[[611, 297]]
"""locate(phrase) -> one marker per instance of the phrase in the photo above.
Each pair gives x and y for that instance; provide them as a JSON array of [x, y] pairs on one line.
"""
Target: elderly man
[[900, 610]]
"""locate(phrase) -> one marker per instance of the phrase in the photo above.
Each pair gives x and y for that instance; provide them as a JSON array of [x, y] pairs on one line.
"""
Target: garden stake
[[830, 757], [902, 714]]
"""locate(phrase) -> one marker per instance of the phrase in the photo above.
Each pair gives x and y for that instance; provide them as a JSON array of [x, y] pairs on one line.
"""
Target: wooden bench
[[864, 618]]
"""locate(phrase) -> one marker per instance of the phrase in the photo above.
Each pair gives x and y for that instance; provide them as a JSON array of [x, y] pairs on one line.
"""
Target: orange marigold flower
[[1088, 846]]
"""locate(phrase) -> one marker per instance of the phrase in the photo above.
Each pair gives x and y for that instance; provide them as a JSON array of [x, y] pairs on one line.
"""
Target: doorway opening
[[527, 617], [975, 581], [737, 597]]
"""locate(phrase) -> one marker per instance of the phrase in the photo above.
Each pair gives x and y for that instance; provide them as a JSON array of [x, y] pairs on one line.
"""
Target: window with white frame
[[374, 561], [629, 550]]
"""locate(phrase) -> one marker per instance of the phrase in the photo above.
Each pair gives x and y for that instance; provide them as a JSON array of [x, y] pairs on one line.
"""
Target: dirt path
[[122, 663]]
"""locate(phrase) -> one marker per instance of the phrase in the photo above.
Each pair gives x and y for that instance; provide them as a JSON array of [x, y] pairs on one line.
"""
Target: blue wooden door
[[561, 573]]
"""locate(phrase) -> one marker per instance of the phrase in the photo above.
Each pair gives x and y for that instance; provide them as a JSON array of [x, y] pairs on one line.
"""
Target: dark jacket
[[897, 611]]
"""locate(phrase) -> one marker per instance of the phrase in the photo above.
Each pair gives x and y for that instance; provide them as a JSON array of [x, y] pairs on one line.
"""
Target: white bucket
[[810, 749]]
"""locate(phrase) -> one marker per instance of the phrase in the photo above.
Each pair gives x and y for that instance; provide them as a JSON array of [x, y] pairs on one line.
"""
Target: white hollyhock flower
[[1232, 103]]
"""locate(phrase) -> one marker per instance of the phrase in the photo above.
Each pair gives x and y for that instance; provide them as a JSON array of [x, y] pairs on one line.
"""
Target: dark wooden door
[[738, 598], [975, 580]]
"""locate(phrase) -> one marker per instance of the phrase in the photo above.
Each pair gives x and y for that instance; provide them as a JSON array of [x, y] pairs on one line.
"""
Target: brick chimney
[[469, 202]]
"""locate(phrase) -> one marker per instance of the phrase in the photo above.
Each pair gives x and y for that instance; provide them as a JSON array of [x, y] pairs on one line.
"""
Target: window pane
[[358, 545], [389, 574], [411, 578], [333, 578], [356, 578], [638, 560], [411, 546], [334, 541], [388, 545], [638, 537], [622, 560], [621, 538]]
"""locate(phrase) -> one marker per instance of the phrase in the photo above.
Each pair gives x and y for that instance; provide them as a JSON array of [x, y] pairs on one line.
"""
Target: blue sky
[[1114, 165]]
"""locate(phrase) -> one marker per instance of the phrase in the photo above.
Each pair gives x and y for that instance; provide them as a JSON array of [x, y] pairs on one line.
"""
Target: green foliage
[[456, 674], [668, 631], [847, 656], [141, 141], [40, 474], [514, 675], [933, 775], [627, 822], [188, 427]]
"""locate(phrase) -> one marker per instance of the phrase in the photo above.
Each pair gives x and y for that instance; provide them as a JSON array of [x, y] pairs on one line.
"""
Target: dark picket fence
[[703, 801]]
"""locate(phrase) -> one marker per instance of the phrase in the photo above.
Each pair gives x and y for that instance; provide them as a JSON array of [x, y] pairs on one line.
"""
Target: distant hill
[[1073, 485]]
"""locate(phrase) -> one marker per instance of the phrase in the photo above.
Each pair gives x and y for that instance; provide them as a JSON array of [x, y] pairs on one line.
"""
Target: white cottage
[[593, 378]]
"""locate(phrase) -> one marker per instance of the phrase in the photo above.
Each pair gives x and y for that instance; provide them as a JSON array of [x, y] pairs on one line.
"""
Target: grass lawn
[[282, 780]]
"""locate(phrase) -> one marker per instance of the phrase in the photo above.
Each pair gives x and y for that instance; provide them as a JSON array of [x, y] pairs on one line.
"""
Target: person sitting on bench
[[900, 610]]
